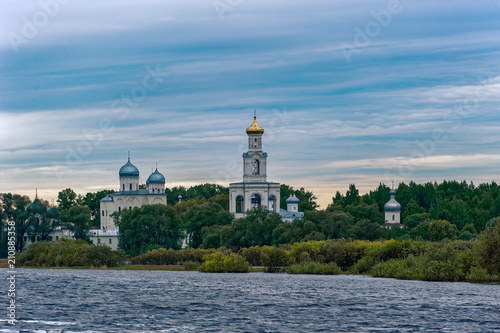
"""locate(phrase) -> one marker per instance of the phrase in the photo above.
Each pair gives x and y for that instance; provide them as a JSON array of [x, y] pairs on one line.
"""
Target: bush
[[252, 255], [487, 250], [399, 249], [69, 253], [221, 263], [341, 252], [314, 268], [191, 266], [273, 259]]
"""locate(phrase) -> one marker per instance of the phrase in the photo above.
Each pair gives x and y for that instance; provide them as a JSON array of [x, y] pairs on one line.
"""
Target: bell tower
[[254, 160], [255, 190]]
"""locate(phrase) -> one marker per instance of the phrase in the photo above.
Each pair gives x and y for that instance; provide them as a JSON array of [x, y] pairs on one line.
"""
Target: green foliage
[[314, 268], [273, 259], [441, 229], [307, 198], [149, 225], [487, 250], [77, 219], [198, 220], [386, 251], [66, 199], [68, 253], [191, 266], [163, 256], [218, 262], [93, 201], [252, 255]]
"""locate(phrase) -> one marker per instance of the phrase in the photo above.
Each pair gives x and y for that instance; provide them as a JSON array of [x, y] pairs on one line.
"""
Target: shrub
[[341, 252], [252, 255], [221, 263], [314, 268], [487, 250], [273, 259], [69, 253], [191, 266], [399, 249]]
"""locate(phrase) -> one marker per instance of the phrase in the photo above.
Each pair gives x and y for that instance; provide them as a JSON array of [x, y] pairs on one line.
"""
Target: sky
[[347, 91]]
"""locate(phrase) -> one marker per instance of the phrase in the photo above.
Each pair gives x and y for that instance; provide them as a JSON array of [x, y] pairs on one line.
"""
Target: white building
[[130, 196], [292, 209], [392, 211], [255, 190]]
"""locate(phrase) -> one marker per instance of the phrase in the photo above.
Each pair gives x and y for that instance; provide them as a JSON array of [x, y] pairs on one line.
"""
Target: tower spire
[[36, 193], [254, 114], [129, 155]]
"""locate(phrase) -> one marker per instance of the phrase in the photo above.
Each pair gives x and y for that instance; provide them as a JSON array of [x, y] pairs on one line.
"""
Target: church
[[130, 195], [255, 190]]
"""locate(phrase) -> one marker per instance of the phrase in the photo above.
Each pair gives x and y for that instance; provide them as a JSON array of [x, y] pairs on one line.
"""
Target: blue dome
[[156, 178], [292, 199], [36, 206], [54, 211], [129, 170], [392, 205]]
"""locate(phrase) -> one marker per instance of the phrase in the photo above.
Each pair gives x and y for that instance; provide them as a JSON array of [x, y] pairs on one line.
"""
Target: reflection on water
[[157, 301]]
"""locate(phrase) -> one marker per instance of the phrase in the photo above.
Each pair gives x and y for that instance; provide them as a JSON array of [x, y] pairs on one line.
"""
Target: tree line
[[430, 211]]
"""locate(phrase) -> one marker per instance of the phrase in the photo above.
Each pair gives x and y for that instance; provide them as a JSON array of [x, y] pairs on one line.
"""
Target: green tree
[[66, 199], [441, 229], [149, 225], [352, 195], [487, 250], [93, 201], [203, 216], [77, 219]]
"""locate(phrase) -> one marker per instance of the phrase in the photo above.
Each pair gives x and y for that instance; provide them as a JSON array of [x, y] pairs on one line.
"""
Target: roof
[[292, 199], [109, 197], [129, 170], [156, 178], [255, 128], [291, 215]]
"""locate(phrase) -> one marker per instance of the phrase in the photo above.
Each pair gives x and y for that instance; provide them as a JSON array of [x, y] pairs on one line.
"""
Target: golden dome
[[255, 127]]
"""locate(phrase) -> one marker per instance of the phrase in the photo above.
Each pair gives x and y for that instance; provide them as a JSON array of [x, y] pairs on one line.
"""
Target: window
[[98, 241], [110, 241], [124, 187], [103, 213], [57, 238], [130, 208], [393, 218], [255, 167], [255, 200], [119, 209], [239, 204], [131, 187], [272, 204]]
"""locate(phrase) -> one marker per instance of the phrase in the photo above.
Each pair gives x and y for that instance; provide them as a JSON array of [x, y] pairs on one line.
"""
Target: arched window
[[240, 207], [255, 200], [119, 209], [255, 167], [272, 204], [393, 217], [131, 187], [123, 187]]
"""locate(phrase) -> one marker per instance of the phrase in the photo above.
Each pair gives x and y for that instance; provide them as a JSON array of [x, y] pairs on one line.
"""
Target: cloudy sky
[[348, 91]]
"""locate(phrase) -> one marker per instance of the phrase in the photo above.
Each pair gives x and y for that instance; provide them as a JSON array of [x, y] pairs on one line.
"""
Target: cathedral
[[130, 196], [255, 190]]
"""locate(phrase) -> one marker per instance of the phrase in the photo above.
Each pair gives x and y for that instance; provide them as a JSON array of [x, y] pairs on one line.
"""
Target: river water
[[71, 300]]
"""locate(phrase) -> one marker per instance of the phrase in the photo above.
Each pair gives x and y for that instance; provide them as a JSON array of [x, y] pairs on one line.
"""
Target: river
[[72, 300]]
